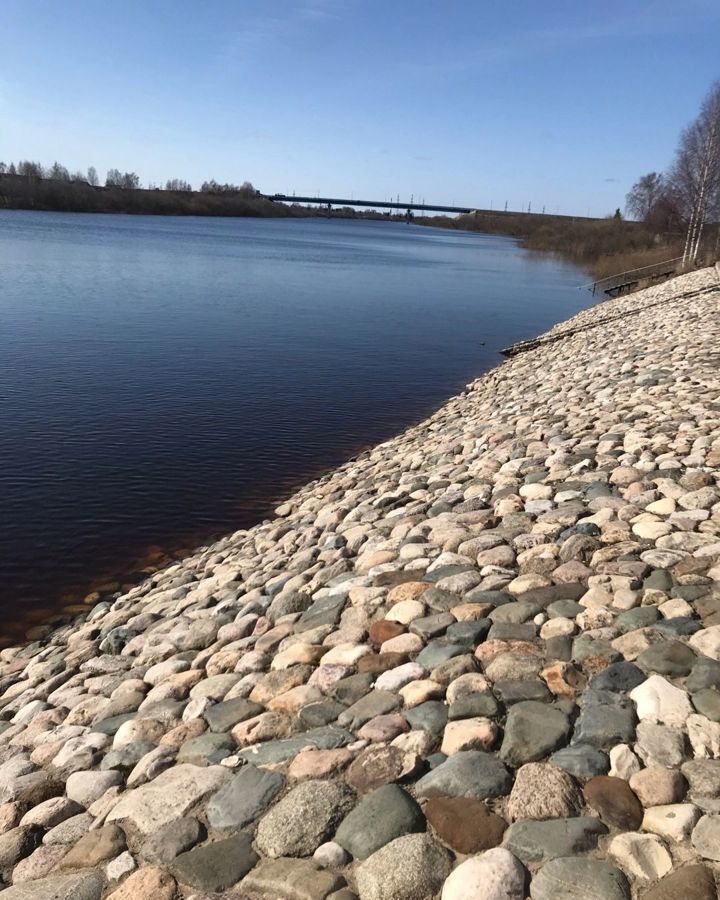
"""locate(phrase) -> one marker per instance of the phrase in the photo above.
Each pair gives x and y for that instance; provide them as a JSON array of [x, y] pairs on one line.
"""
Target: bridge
[[329, 202]]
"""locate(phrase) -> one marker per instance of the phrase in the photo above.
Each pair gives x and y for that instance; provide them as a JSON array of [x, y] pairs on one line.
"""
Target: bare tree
[[130, 181], [178, 184], [3, 168], [644, 195], [113, 178], [695, 176], [92, 176], [58, 172], [30, 169]]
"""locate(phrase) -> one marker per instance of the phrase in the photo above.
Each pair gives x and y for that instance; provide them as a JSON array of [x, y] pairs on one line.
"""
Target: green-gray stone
[[532, 731], [668, 658], [379, 818], [534, 842], [216, 866], [707, 703]]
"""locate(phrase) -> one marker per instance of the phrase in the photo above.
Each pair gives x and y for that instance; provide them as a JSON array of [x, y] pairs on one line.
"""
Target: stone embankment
[[482, 661]]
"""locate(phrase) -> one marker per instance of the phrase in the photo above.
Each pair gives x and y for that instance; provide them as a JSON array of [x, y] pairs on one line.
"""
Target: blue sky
[[561, 103]]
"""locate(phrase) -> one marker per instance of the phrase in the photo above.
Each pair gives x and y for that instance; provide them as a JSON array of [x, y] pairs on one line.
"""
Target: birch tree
[[695, 176]]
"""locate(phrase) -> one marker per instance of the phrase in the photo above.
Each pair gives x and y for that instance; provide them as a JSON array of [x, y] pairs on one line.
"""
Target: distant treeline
[[59, 195]]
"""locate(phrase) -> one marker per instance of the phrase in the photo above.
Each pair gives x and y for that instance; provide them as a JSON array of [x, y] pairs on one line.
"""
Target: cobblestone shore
[[479, 662]]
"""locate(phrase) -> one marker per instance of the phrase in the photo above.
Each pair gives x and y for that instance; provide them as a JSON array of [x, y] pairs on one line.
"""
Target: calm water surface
[[164, 379]]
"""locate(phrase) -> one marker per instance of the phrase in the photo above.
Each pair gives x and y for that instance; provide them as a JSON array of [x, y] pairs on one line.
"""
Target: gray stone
[[707, 703], [606, 719], [667, 658], [216, 866], [172, 840], [73, 886], [70, 831], [243, 798], [206, 749], [705, 673], [438, 652], [575, 878], [329, 738], [379, 818], [581, 760], [127, 756], [532, 731], [326, 611], [471, 705], [225, 715], [469, 773], [18, 843], [288, 603], [703, 776], [640, 617], [619, 676], [315, 715], [290, 879], [534, 842], [430, 716], [511, 691], [376, 703], [706, 837], [410, 866], [660, 745], [429, 627], [305, 818]]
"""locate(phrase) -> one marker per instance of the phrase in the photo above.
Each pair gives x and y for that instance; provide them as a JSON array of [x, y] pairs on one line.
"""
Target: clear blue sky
[[561, 103]]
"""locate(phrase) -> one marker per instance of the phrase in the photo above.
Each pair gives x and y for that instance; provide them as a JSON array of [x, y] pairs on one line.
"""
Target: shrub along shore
[[484, 656]]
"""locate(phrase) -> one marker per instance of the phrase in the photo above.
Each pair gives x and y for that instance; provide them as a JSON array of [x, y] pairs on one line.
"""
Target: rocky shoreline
[[479, 662]]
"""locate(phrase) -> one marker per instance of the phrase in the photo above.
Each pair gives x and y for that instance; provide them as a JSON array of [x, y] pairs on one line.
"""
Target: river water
[[164, 379]]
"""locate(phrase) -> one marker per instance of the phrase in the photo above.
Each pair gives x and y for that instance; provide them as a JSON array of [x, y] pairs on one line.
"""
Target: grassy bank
[[602, 246]]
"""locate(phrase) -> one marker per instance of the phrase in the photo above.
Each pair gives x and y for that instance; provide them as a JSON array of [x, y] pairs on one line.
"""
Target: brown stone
[[377, 766], [384, 630], [312, 763], [563, 679], [94, 848], [614, 802], [375, 664], [383, 728], [689, 883], [410, 590], [10, 815], [148, 882], [464, 823], [177, 736]]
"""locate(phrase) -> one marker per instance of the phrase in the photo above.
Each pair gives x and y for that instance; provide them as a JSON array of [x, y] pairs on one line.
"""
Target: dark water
[[162, 380]]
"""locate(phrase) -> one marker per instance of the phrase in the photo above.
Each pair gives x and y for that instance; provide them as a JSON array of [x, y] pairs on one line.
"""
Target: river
[[164, 379]]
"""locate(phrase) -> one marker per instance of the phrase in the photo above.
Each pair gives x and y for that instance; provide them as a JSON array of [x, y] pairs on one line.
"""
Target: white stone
[[406, 611], [493, 875], [642, 856], [331, 854], [394, 679], [659, 701], [120, 867], [704, 736], [673, 822], [623, 762], [707, 641], [169, 797], [675, 608]]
